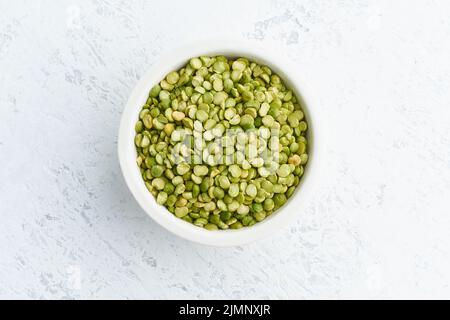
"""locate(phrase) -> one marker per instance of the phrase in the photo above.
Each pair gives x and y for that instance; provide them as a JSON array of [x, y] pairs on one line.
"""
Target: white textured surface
[[379, 227]]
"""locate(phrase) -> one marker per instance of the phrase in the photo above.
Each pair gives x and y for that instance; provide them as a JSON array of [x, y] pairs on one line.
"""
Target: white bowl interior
[[128, 153]]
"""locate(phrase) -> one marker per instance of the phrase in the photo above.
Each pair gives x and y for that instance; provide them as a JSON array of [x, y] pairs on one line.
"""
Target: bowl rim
[[174, 60]]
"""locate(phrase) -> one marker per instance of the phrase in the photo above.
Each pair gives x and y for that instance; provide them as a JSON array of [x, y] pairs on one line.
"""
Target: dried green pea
[[200, 222], [269, 204], [211, 227], [259, 216], [181, 211], [158, 183], [247, 220], [157, 171], [224, 182], [195, 63], [224, 216], [162, 198], [218, 193], [279, 199]]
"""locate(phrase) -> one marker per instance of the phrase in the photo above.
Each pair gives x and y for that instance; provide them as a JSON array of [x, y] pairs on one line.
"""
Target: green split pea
[[222, 143]]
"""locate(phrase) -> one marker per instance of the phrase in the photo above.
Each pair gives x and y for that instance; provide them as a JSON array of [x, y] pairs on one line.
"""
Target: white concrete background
[[378, 228]]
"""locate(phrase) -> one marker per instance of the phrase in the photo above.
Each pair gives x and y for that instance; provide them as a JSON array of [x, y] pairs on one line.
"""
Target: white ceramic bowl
[[127, 152]]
